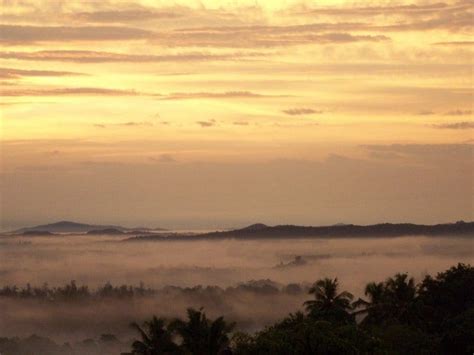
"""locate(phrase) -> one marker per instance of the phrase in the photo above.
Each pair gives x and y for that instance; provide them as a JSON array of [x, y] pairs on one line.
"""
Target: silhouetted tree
[[155, 339], [328, 303], [374, 309], [200, 335]]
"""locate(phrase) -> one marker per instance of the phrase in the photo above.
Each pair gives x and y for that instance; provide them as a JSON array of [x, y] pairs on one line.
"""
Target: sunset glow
[[204, 113]]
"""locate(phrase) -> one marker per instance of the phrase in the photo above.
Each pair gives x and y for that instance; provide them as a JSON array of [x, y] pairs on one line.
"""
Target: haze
[[93, 261]]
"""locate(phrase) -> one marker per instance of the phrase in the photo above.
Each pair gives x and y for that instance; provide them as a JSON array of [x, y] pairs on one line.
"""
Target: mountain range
[[261, 231], [75, 227]]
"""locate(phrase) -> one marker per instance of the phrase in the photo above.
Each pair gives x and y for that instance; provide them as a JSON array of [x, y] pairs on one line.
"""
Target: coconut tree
[[155, 339], [401, 296], [201, 335], [328, 302], [375, 307]]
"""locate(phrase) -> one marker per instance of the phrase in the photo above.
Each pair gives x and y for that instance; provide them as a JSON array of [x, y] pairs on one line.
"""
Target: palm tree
[[219, 335], [401, 289], [200, 335], [375, 307], [401, 295], [328, 303], [155, 339]]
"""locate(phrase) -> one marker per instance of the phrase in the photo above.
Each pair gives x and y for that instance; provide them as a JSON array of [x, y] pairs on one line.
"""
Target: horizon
[[222, 227]]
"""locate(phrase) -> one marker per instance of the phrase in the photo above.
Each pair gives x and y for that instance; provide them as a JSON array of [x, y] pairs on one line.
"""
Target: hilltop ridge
[[261, 231]]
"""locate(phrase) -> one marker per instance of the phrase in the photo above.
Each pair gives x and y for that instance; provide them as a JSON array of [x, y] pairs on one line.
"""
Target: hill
[[108, 231], [335, 231], [75, 227]]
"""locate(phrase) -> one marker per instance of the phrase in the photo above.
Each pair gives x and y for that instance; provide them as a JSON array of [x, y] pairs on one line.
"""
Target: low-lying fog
[[95, 260]]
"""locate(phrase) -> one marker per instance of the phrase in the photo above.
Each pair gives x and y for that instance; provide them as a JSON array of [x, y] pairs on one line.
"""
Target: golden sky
[[219, 113]]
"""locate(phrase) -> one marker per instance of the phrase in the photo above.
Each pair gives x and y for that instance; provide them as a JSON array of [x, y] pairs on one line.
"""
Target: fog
[[93, 261]]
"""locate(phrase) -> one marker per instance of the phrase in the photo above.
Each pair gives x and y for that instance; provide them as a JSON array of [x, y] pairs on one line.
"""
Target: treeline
[[105, 344], [73, 292], [396, 317]]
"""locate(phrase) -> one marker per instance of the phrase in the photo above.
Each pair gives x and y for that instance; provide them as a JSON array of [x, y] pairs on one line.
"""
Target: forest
[[434, 316]]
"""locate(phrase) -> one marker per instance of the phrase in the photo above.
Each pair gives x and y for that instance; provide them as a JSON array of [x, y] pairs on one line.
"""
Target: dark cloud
[[18, 34], [301, 111], [68, 91], [205, 124], [455, 125], [11, 73], [107, 57], [459, 112]]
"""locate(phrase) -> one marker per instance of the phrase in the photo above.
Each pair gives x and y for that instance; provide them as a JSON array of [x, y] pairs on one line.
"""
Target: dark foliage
[[397, 317], [196, 335], [73, 293]]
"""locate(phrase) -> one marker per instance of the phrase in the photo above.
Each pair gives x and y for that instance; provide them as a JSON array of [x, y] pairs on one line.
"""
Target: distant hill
[[254, 227], [109, 231], [37, 233], [75, 227], [336, 231]]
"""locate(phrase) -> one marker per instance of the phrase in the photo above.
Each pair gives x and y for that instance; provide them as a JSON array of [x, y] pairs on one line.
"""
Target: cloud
[[68, 91], [452, 17], [79, 56], [205, 124], [427, 154], [126, 15], [454, 43], [11, 73], [164, 158], [242, 37], [19, 34], [456, 125], [301, 111], [54, 152], [241, 123], [459, 112], [214, 95], [425, 113], [259, 36], [125, 124], [392, 10]]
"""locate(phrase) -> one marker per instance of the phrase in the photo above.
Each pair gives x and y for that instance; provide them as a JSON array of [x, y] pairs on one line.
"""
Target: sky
[[206, 114]]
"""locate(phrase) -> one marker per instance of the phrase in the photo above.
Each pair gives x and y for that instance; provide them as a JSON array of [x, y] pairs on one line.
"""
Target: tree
[[400, 292], [155, 339], [201, 335], [375, 308], [328, 304]]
